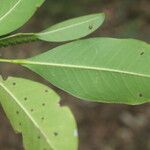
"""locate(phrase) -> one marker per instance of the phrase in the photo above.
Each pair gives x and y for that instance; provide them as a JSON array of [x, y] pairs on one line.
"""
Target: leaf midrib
[[25, 63], [26, 112], [6, 14]]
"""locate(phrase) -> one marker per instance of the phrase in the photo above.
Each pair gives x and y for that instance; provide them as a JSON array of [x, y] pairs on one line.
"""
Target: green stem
[[19, 38], [13, 61]]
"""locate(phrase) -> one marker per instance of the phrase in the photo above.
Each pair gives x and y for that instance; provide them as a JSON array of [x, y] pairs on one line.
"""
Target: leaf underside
[[14, 13], [72, 29], [99, 69], [34, 111], [68, 30]]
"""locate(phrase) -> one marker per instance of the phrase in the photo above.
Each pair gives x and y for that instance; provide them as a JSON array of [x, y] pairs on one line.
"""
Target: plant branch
[[16, 39]]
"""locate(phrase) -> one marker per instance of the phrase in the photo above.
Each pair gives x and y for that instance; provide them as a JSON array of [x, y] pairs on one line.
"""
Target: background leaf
[[14, 13], [72, 29], [34, 110]]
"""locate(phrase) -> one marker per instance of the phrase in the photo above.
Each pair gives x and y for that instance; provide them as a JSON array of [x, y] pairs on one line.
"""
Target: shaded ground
[[101, 126]]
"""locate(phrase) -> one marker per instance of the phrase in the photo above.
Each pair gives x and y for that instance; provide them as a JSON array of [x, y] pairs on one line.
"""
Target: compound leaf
[[34, 111]]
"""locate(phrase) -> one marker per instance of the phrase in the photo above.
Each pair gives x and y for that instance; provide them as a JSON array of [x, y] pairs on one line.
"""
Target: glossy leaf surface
[[14, 13], [34, 111], [72, 29]]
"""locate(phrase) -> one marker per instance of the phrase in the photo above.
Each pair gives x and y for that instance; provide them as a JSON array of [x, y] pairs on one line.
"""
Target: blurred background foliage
[[101, 126]]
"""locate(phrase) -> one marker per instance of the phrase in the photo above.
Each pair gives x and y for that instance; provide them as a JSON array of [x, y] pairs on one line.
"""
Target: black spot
[[14, 83], [43, 104], [38, 137], [32, 110], [140, 95], [42, 118], [20, 124], [90, 27], [55, 134], [17, 112], [25, 98], [142, 53]]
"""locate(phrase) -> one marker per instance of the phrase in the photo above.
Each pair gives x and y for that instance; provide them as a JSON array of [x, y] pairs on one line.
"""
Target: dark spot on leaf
[[140, 95], [46, 91], [14, 83], [32, 110], [55, 134], [20, 124], [17, 112], [42, 118], [25, 98], [141, 53], [90, 27], [38, 137], [43, 104]]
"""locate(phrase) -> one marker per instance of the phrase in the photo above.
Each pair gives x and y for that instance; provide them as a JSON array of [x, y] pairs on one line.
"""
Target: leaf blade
[[88, 68], [11, 13], [40, 121], [99, 69], [72, 29]]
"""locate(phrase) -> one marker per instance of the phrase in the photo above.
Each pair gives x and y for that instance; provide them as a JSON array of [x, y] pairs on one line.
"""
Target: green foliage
[[69, 30], [72, 29], [97, 69], [42, 122], [15, 13]]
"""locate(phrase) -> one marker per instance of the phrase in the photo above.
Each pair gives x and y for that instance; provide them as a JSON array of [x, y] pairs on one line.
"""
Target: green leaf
[[68, 30], [34, 111], [98, 69], [72, 29], [14, 13]]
